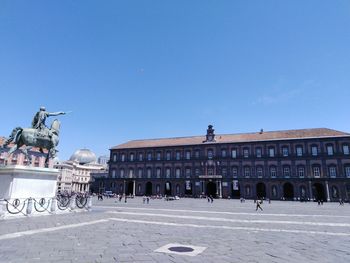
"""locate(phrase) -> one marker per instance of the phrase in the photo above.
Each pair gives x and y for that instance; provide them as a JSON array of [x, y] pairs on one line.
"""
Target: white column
[[220, 189], [134, 188], [217, 187], [327, 191], [310, 190]]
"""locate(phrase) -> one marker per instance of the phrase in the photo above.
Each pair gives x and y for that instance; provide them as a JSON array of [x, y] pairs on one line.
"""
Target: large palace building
[[305, 164]]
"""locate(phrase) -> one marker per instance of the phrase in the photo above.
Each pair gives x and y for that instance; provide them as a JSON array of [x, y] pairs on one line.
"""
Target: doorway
[[211, 189]]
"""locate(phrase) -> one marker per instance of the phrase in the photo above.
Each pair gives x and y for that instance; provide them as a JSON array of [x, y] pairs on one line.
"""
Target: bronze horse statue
[[42, 138]]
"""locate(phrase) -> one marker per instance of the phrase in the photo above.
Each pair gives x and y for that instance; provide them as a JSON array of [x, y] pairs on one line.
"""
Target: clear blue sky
[[149, 69]]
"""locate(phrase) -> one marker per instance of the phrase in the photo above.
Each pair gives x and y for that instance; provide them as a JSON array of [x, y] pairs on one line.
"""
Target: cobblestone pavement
[[229, 231]]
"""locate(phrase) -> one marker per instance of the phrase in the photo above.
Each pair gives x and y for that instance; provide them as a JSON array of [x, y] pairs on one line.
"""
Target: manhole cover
[[181, 249]]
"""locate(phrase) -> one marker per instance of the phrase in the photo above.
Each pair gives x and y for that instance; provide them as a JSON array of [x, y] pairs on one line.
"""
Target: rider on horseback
[[40, 118], [38, 123]]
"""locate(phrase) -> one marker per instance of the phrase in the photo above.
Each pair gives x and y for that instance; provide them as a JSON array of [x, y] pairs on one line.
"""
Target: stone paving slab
[[116, 241]]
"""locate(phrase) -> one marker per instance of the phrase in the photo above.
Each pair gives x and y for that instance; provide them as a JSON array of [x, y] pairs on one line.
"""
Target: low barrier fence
[[48, 205]]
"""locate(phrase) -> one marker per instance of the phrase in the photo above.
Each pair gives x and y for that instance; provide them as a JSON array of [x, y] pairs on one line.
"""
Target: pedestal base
[[26, 191], [17, 182]]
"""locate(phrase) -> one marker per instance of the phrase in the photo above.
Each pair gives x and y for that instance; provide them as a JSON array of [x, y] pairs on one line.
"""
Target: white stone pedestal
[[23, 182], [26, 190]]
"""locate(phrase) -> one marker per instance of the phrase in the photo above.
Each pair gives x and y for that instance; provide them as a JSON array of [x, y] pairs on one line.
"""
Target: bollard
[[72, 202], [29, 206], [2, 210], [53, 205], [89, 206]]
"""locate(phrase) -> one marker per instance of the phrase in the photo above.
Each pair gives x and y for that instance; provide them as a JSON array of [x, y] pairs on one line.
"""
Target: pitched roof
[[235, 138]]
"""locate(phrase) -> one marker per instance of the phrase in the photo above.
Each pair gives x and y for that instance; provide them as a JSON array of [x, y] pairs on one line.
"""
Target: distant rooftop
[[235, 138]]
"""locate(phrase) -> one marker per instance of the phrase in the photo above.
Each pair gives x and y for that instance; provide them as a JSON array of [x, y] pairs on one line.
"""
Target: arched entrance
[[288, 191], [130, 188], [260, 190], [318, 192], [177, 188], [236, 192], [211, 189], [167, 190], [188, 188], [148, 191]]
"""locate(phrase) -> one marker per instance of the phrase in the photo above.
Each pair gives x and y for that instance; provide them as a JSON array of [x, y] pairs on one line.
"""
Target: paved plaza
[[222, 231]]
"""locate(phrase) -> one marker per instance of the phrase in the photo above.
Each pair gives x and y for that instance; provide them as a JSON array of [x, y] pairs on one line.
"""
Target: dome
[[83, 156]]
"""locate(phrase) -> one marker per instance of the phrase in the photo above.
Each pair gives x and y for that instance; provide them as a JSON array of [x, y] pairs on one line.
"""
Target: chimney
[[261, 131]]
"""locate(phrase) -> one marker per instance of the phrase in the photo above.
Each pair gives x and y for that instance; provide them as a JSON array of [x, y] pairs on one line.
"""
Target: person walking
[[258, 205]]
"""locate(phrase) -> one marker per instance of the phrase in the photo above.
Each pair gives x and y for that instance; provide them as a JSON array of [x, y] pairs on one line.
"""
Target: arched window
[[285, 151], [178, 173], [140, 173], [314, 150], [316, 170], [223, 153], [332, 171], [131, 173], [246, 152], [168, 155], [259, 171], [347, 171], [113, 173], [234, 171], [246, 171], [158, 172], [149, 172], [188, 172], [234, 153], [167, 172], [330, 150], [286, 171], [301, 171], [121, 173], [178, 155], [273, 171]]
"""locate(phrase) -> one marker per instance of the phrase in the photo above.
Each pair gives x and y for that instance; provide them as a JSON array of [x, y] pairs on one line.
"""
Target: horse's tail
[[13, 136]]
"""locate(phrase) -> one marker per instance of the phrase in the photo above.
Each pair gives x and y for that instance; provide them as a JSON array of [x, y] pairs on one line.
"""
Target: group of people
[[145, 199]]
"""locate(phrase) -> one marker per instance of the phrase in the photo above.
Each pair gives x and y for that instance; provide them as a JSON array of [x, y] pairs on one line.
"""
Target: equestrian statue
[[38, 136]]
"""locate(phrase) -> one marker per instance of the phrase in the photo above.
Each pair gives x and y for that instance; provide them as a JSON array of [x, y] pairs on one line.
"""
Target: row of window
[[271, 152], [247, 172]]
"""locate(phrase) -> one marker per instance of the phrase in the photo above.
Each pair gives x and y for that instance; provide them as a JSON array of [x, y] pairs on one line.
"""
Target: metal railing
[[27, 206]]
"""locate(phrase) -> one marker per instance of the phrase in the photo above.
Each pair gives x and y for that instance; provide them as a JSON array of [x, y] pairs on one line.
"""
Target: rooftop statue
[[37, 136]]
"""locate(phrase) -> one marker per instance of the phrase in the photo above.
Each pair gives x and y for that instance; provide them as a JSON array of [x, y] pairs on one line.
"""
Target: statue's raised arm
[[55, 113]]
